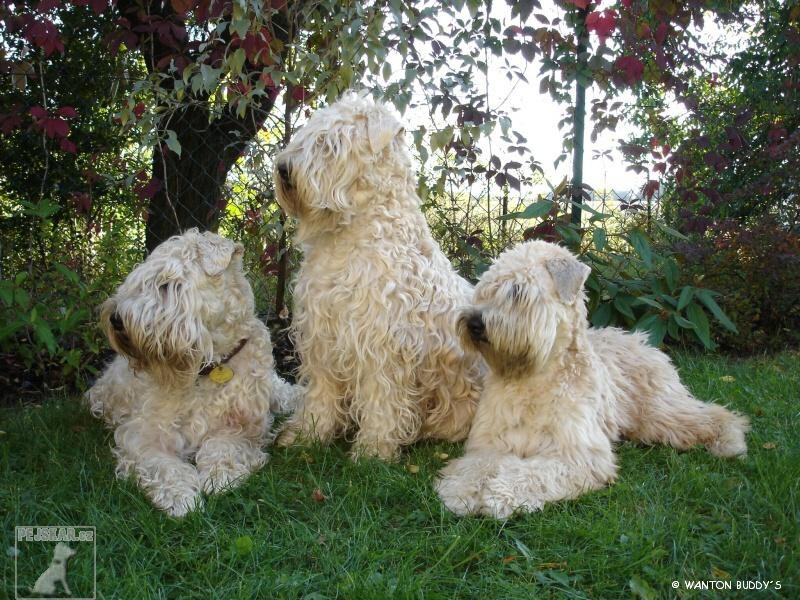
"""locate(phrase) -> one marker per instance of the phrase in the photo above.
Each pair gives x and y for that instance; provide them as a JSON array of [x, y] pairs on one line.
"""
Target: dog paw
[[458, 503], [287, 437], [382, 450], [173, 487], [178, 502], [221, 478], [502, 504], [730, 442]]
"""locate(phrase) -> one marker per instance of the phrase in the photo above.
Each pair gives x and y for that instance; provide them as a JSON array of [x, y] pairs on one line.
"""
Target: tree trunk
[[283, 246], [191, 193], [191, 184], [576, 191]]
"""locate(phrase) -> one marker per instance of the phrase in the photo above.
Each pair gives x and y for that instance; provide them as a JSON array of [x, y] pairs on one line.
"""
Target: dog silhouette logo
[[56, 573], [55, 561]]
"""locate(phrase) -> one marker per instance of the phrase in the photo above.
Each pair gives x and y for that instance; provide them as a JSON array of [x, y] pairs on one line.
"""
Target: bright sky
[[536, 116]]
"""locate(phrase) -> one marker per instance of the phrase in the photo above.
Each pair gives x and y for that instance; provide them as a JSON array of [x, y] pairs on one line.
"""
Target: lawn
[[312, 524]]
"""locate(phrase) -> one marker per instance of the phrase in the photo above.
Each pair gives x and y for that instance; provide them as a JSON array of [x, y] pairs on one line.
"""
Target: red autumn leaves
[[602, 23], [629, 68], [55, 125]]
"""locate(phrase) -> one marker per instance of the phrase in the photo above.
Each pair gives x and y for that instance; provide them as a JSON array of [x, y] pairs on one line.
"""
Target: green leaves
[[655, 326], [599, 238], [640, 243], [687, 293], [700, 321], [172, 142], [43, 332], [636, 286], [534, 211], [707, 298], [441, 139]]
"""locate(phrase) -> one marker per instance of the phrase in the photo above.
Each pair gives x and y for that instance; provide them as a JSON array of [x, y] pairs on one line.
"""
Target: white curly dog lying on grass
[[375, 297], [191, 391], [559, 394]]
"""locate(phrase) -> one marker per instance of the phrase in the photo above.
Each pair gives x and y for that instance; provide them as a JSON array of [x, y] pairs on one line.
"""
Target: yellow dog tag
[[221, 374]]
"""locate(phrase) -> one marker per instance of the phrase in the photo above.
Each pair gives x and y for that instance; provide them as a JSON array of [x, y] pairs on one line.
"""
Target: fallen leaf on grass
[[412, 468], [759, 412], [779, 540], [718, 573], [552, 565], [509, 558], [728, 378], [770, 446], [441, 455], [318, 496]]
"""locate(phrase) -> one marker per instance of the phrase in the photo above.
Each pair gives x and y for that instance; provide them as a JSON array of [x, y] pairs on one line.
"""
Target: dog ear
[[568, 274], [216, 253], [381, 130]]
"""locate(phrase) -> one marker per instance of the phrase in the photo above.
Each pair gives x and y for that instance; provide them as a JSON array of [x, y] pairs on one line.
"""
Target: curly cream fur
[[180, 433], [559, 394], [375, 298]]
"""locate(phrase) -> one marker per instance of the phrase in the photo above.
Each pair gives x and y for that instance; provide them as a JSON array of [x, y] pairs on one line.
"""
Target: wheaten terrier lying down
[[194, 379], [375, 298], [559, 394]]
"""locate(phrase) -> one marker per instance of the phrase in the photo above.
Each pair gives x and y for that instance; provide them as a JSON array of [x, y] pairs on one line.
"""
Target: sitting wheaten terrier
[[559, 394], [375, 298], [191, 390]]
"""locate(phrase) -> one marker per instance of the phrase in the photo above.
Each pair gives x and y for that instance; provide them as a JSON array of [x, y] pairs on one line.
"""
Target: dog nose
[[476, 328], [283, 172]]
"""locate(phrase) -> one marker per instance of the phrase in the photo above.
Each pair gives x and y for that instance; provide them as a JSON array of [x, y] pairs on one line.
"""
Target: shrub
[[53, 274], [757, 272]]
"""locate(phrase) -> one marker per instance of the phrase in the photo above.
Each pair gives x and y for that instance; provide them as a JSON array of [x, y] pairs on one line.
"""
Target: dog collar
[[217, 372]]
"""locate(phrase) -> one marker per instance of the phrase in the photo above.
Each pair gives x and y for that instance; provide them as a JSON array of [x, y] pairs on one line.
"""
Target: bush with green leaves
[[756, 270], [55, 272]]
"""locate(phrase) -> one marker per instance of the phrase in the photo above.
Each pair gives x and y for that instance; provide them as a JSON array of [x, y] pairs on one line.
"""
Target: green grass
[[380, 531]]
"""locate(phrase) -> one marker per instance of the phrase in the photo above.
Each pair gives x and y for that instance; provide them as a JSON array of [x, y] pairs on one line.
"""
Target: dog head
[[333, 156], [176, 307], [525, 307], [62, 551]]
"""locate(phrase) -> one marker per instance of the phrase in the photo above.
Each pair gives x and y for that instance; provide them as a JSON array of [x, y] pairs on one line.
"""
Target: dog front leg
[[318, 415], [526, 484], [285, 396], [64, 583], [172, 484], [462, 481], [387, 413], [225, 461]]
